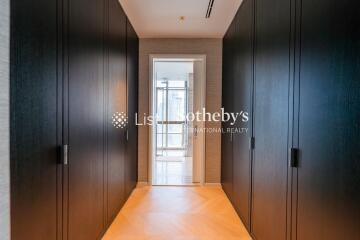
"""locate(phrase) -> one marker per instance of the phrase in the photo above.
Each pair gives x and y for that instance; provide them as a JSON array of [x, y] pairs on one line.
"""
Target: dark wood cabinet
[[85, 119], [328, 123], [305, 98], [34, 115], [271, 119], [237, 97], [227, 104], [117, 100], [73, 67], [132, 43], [242, 102]]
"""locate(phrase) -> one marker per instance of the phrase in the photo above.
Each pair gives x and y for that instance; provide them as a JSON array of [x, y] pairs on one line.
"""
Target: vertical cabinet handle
[[65, 154], [251, 143], [294, 158]]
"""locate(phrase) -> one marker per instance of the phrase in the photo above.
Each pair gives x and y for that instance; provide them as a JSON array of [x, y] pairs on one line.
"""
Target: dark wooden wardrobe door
[[227, 96], [132, 103], [33, 120], [116, 136], [329, 130], [86, 120], [242, 92], [271, 109]]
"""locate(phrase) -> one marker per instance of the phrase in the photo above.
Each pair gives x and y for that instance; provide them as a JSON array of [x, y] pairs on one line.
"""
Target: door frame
[[202, 58]]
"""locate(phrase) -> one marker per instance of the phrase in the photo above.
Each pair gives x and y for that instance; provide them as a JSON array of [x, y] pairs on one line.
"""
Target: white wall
[[4, 121]]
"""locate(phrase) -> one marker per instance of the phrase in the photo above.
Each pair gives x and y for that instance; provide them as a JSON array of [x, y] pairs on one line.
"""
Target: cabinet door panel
[[33, 120], [226, 143], [132, 103], [272, 78], [116, 47], [86, 120], [329, 131], [242, 92]]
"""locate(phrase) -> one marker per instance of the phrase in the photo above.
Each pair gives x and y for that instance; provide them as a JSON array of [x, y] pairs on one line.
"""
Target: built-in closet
[[294, 66], [74, 70]]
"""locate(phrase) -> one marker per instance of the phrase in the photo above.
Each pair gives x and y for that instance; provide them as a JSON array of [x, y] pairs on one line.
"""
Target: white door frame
[[202, 93]]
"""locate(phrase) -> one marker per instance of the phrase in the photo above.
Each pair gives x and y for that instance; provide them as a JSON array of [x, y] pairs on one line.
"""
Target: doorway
[[176, 140]]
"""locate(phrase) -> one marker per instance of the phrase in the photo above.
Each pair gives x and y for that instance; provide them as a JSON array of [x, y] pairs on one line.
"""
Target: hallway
[[186, 213], [180, 120]]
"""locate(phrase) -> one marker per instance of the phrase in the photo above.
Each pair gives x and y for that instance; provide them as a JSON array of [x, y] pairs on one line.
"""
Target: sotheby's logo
[[202, 116]]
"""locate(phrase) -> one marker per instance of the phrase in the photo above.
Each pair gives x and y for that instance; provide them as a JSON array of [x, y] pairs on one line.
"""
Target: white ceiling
[[161, 18]]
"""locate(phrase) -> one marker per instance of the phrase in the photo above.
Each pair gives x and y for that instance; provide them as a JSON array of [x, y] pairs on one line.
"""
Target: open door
[[177, 144]]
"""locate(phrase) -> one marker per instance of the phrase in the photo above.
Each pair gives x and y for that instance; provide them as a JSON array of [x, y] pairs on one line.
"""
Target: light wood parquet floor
[[177, 213]]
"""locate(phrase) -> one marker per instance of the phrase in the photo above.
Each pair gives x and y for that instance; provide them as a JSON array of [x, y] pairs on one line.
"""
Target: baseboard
[[212, 184], [142, 184]]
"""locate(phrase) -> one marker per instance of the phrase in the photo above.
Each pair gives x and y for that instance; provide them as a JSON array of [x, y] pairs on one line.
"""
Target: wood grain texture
[[237, 97], [33, 120], [68, 76], [131, 170], [213, 50], [117, 84], [4, 120], [164, 213], [329, 113], [242, 78], [86, 120], [227, 104], [271, 119]]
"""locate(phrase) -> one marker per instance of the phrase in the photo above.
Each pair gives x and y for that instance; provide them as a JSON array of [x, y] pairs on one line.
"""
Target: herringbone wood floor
[[177, 213]]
